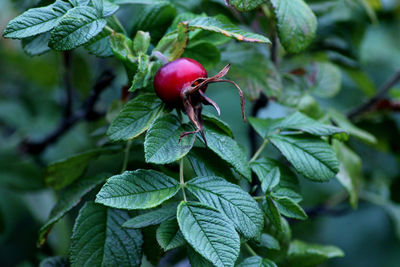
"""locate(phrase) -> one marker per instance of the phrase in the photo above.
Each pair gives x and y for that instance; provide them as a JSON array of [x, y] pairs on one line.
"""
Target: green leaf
[[36, 20], [256, 261], [290, 208], [286, 192], [353, 130], [122, 46], [135, 118], [204, 52], [56, 261], [109, 8], [227, 148], [71, 197], [296, 24], [271, 211], [310, 156], [141, 78], [76, 28], [327, 80], [162, 144], [98, 238], [269, 241], [196, 260], [350, 170], [229, 199], [296, 121], [140, 189], [223, 26], [169, 236], [132, 2], [141, 42], [304, 254], [269, 181], [79, 2], [209, 233], [36, 45], [205, 163], [100, 45], [246, 5], [216, 121], [173, 44], [153, 217], [288, 180], [62, 173]]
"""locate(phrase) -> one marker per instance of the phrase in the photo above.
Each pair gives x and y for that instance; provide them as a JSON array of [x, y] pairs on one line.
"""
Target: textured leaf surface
[[205, 163], [70, 198], [296, 121], [312, 157], [269, 241], [162, 144], [196, 260], [227, 148], [56, 261], [303, 254], [246, 5], [227, 28], [100, 45], [271, 211], [141, 189], [153, 217], [36, 20], [296, 24], [229, 199], [209, 233], [256, 261], [77, 27], [173, 44], [290, 208], [135, 118], [62, 173], [98, 238], [169, 236]]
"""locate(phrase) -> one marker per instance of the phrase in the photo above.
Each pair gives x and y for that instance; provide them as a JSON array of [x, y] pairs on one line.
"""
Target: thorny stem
[[126, 155], [250, 250], [258, 152], [181, 178]]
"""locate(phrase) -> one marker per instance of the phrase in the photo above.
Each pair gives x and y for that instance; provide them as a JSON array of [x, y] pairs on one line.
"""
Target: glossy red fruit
[[175, 76], [182, 84]]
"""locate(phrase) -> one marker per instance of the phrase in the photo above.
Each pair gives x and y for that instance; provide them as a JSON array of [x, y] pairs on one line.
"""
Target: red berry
[[174, 76]]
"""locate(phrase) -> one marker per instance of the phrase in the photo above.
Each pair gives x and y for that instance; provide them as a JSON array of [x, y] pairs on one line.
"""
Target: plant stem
[[109, 29], [126, 156], [251, 251], [258, 152], [258, 197], [181, 178]]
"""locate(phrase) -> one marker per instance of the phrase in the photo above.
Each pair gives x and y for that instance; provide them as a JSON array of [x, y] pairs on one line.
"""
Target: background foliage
[[59, 111]]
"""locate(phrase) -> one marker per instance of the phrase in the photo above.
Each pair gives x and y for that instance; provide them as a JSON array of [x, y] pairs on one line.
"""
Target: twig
[[67, 55], [375, 99], [86, 112]]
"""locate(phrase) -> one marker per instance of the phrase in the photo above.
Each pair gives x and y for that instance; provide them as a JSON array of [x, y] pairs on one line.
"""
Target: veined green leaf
[[69, 199], [296, 24], [135, 118], [153, 217], [246, 5], [76, 28], [162, 144], [36, 20], [36, 45], [256, 261], [227, 28], [290, 208], [327, 81], [271, 211], [204, 52], [227, 148], [169, 236], [100, 45], [55, 261], [173, 44], [310, 156], [269, 241], [98, 237], [141, 78], [296, 121], [196, 260], [303, 254], [209, 233], [229, 199], [140, 189]]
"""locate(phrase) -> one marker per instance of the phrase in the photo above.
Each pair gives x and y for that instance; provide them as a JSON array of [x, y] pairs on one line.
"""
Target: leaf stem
[[181, 178], [258, 152], [259, 197], [109, 29], [250, 250], [126, 156]]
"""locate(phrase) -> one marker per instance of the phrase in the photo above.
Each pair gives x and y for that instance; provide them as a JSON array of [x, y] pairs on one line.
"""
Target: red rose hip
[[182, 84]]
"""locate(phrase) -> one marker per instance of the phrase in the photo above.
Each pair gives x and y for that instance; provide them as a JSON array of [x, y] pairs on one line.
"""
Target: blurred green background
[[31, 100]]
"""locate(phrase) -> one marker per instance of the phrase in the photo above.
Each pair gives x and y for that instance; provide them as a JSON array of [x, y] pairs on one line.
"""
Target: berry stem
[[181, 178]]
